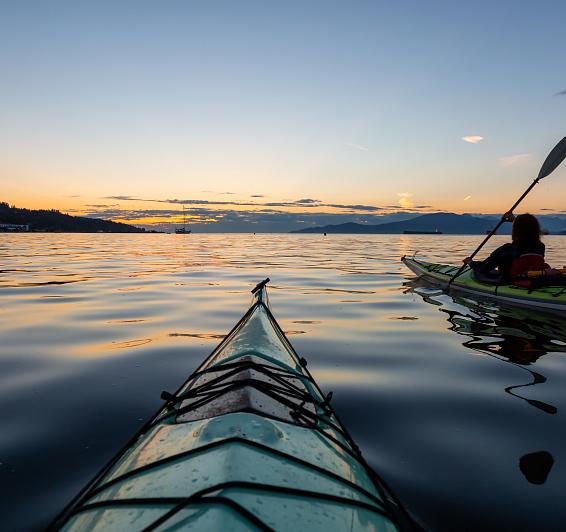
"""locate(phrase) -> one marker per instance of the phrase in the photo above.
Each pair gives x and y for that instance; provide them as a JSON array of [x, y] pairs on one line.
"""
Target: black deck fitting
[[259, 286]]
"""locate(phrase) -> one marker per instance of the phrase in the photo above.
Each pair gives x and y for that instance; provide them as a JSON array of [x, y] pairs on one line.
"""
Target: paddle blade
[[555, 157], [545, 407]]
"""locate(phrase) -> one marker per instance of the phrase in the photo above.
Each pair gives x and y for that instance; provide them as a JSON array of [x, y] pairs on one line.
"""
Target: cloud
[[306, 200], [467, 198], [207, 219], [472, 139], [101, 206], [357, 146], [123, 198], [257, 196], [518, 158], [353, 207], [561, 93], [405, 200]]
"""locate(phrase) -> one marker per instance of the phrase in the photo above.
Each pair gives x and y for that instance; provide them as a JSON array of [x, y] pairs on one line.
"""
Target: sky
[[292, 111]]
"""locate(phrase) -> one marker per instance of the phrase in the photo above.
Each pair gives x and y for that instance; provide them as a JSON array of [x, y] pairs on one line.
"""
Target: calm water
[[459, 405]]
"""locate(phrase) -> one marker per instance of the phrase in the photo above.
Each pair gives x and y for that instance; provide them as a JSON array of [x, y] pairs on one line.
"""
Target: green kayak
[[551, 298], [248, 442]]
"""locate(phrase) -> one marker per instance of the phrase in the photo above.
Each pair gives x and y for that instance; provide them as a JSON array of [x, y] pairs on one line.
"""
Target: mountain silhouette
[[55, 221], [445, 222]]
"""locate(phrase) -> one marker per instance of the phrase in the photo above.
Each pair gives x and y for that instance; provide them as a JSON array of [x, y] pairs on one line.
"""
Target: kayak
[[249, 441], [551, 298]]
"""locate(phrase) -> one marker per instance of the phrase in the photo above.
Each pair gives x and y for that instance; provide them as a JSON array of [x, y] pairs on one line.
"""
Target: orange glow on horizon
[[145, 212]]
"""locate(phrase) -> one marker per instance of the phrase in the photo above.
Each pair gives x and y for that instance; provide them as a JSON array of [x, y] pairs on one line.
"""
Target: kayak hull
[[248, 441], [235, 454], [551, 298]]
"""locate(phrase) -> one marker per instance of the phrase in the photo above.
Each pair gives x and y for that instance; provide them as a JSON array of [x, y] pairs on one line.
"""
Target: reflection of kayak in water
[[518, 334], [551, 298], [514, 335]]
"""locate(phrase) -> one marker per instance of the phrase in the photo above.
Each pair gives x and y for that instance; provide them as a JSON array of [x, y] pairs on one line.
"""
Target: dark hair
[[526, 230]]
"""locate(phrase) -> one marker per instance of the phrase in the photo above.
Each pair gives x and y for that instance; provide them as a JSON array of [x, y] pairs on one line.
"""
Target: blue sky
[[360, 102]]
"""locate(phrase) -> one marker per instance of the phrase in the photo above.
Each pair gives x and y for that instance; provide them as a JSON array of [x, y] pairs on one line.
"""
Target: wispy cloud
[[354, 207], [512, 160], [561, 93], [357, 146], [257, 196], [304, 203], [467, 198], [405, 200], [123, 198], [214, 216], [472, 139], [266, 219]]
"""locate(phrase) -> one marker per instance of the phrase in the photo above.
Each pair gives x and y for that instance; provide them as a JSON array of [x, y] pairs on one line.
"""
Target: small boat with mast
[[183, 230]]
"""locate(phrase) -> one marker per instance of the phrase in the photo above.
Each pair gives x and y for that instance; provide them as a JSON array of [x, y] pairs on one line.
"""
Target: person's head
[[526, 230]]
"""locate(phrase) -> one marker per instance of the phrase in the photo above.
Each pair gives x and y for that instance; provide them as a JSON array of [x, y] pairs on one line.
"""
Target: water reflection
[[143, 312], [513, 335], [536, 466]]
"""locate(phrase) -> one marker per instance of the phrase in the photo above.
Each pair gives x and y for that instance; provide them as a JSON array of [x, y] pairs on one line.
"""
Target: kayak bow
[[549, 298], [248, 441]]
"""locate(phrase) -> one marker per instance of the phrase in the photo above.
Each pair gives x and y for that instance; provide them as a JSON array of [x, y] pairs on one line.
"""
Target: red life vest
[[523, 264]]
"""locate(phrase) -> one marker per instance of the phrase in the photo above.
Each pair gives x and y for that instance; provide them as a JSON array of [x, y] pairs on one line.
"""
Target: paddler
[[524, 253]]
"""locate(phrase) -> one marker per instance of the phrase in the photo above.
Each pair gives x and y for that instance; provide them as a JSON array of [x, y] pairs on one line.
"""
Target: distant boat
[[435, 232], [183, 230]]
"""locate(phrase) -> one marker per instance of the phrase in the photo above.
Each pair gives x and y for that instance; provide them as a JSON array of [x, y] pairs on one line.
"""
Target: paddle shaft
[[494, 230]]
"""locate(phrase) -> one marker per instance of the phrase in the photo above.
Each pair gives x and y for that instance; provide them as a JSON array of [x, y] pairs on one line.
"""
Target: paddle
[[545, 407], [537, 379], [555, 157]]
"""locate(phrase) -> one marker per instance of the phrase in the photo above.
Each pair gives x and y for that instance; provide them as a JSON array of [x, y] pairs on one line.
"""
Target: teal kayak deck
[[249, 441], [552, 298]]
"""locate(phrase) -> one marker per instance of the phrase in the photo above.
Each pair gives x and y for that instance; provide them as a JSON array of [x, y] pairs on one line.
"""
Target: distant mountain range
[[444, 222], [391, 223], [55, 221]]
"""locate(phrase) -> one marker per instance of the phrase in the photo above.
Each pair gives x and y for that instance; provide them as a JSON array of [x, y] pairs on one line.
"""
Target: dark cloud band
[[304, 202]]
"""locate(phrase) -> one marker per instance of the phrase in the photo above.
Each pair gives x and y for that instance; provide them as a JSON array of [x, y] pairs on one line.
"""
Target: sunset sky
[[112, 108]]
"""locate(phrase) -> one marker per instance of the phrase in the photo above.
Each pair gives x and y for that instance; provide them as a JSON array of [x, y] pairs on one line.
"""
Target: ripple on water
[[445, 395]]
